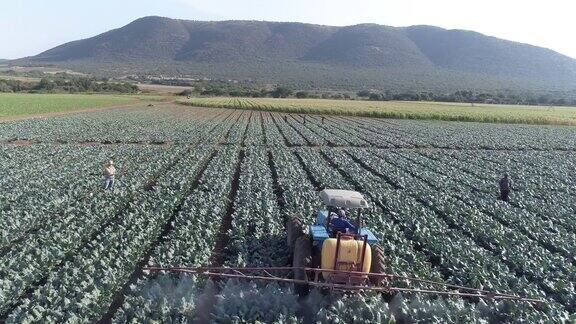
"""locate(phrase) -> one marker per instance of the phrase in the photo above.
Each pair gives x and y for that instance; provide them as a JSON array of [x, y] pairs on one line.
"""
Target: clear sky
[[28, 27]]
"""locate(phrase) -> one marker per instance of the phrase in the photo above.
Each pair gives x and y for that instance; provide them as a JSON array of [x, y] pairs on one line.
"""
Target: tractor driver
[[339, 223]]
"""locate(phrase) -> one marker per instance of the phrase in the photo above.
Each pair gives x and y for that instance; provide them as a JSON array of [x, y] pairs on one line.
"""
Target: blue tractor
[[338, 254], [343, 247]]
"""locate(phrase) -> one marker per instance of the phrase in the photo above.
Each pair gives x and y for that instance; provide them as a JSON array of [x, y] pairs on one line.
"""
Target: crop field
[[214, 187], [19, 104], [401, 109]]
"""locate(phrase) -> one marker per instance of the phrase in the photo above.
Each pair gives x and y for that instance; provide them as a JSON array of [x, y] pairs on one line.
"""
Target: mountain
[[315, 56]]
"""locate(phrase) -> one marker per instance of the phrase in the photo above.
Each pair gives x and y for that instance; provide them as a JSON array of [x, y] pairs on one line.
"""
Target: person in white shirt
[[109, 174]]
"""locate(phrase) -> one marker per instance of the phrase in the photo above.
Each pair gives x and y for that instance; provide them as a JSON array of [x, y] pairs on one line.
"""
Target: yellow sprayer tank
[[350, 250]]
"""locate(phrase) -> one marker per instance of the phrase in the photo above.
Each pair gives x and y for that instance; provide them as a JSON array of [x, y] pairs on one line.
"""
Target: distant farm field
[[401, 109], [19, 104]]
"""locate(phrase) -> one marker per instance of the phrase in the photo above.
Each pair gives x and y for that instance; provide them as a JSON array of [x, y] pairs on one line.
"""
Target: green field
[[401, 109], [22, 104], [210, 187]]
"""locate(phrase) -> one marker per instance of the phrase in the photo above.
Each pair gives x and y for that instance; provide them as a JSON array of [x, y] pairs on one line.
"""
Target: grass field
[[401, 109], [14, 105]]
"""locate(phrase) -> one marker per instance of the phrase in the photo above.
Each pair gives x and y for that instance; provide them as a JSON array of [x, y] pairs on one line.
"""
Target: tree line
[[462, 96], [60, 84], [469, 96]]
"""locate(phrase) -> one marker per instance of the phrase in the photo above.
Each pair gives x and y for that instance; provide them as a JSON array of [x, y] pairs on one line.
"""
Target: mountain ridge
[[316, 56]]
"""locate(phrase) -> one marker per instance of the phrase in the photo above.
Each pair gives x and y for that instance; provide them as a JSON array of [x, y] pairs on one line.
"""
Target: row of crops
[[165, 125], [417, 110], [209, 187]]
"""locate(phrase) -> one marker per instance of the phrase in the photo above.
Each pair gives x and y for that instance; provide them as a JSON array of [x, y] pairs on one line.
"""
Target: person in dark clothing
[[322, 120], [339, 223], [505, 187]]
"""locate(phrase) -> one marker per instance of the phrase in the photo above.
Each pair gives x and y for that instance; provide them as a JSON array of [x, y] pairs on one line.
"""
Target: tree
[[45, 84], [364, 93], [560, 102], [543, 99], [281, 92], [236, 93], [302, 94], [4, 87], [374, 96], [187, 92], [213, 91]]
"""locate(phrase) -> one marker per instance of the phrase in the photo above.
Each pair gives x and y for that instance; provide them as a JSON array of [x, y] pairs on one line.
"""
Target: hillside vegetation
[[314, 56], [400, 109]]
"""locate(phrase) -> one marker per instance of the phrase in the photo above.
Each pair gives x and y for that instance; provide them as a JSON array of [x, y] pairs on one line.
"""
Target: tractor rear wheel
[[377, 264], [302, 259]]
